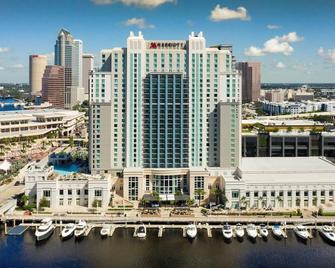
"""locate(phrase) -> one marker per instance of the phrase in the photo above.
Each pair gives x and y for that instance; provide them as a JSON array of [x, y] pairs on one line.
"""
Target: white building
[[281, 182]]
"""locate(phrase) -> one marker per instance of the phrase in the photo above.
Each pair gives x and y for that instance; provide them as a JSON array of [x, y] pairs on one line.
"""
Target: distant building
[[275, 95], [37, 64], [88, 62], [53, 85], [251, 80], [68, 53]]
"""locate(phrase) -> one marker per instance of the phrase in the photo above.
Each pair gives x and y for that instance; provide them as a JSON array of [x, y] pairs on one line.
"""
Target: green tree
[[199, 193], [44, 203]]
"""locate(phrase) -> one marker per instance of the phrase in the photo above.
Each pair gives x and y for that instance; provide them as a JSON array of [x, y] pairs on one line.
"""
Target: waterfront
[[172, 250]]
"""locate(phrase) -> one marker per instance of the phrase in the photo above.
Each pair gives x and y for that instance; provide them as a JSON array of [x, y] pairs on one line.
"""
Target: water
[[66, 169], [172, 250]]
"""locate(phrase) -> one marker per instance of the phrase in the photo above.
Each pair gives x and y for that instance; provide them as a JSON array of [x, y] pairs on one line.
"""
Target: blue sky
[[299, 47]]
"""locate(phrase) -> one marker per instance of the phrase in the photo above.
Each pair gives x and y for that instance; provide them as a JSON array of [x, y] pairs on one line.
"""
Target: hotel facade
[[165, 116]]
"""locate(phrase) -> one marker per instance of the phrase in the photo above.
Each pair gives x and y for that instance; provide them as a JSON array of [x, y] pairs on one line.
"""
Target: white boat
[[191, 230], [81, 227], [104, 231], [44, 230], [327, 232], [301, 231], [263, 230], [68, 230], [277, 231], [227, 231], [141, 231], [239, 231], [251, 231]]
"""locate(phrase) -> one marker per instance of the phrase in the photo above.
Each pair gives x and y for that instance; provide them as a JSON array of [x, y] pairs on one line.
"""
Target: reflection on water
[[172, 250]]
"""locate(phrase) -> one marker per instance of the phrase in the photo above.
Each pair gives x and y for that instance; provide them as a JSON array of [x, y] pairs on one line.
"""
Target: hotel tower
[[165, 116]]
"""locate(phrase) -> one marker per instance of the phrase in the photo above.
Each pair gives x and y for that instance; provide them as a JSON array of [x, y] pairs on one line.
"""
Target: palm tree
[[279, 199], [217, 193], [315, 201], [199, 192], [243, 201]]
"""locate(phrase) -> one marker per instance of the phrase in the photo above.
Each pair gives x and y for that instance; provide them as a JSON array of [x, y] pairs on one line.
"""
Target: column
[[276, 199], [268, 198], [310, 198], [294, 199], [318, 195], [285, 204], [252, 199], [302, 198], [326, 196]]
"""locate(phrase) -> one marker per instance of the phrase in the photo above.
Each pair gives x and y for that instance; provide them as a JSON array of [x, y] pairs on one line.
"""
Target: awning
[[5, 165]]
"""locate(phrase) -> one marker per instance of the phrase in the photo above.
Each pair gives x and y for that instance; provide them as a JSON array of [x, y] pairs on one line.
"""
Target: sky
[[293, 39]]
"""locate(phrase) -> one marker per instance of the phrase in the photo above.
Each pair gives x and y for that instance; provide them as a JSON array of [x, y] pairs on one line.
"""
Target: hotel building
[[53, 86], [165, 116], [37, 64]]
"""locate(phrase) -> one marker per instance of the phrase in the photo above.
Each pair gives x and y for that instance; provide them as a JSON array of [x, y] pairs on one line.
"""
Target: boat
[[104, 232], [277, 231], [251, 231], [191, 230], [327, 232], [141, 231], [44, 230], [81, 227], [301, 231], [263, 230], [68, 230], [239, 231], [227, 231]]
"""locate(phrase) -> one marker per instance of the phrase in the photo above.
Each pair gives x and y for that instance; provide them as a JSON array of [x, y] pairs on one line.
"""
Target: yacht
[[301, 231], [104, 230], [227, 231], [263, 230], [44, 230], [81, 227], [68, 230], [141, 231], [191, 230], [239, 231], [277, 231], [252, 231], [327, 232]]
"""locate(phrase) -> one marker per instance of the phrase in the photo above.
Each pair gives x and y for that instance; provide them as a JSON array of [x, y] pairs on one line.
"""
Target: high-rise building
[[165, 115], [251, 80], [53, 85], [68, 53], [37, 64], [88, 62]]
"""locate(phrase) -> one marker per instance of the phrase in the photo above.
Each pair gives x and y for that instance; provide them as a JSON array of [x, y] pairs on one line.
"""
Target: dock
[[18, 230]]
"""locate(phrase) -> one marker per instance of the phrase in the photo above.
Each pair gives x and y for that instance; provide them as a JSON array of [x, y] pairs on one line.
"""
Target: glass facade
[[169, 184], [165, 118]]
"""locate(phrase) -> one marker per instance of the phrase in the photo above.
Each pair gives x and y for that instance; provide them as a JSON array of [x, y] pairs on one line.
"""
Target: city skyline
[[282, 36]]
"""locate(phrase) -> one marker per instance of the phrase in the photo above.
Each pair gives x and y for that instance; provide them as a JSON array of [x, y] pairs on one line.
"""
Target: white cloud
[[139, 23], [17, 66], [139, 3], [4, 49], [280, 65], [273, 26], [224, 13], [2, 68], [328, 55], [276, 45]]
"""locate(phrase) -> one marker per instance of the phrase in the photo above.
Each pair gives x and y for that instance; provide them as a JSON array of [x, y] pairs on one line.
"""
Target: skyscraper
[[68, 53], [165, 115], [37, 64], [251, 80], [88, 62], [53, 85]]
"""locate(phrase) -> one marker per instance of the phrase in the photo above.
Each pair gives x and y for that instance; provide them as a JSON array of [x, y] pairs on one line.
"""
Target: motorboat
[[327, 232], [277, 231], [141, 231], [104, 232], [251, 231], [191, 230], [301, 231], [81, 227], [68, 230], [263, 230], [239, 230], [44, 230], [227, 231]]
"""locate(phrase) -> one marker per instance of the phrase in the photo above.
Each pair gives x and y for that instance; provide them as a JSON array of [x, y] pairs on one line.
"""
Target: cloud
[[280, 65], [328, 55], [4, 49], [138, 3], [139, 23], [190, 23], [2, 68], [273, 26], [17, 66], [276, 45], [224, 13]]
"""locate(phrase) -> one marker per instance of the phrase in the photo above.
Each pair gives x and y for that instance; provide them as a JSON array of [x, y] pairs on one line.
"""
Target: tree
[[96, 203], [190, 202], [243, 201], [71, 142], [217, 193], [44, 203], [315, 201], [199, 192]]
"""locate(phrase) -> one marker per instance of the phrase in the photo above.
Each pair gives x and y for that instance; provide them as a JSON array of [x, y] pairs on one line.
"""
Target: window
[[69, 192], [235, 194], [61, 202], [46, 193], [61, 192], [133, 188], [78, 191], [98, 193]]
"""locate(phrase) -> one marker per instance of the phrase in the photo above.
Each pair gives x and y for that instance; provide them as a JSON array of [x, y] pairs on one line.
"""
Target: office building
[[53, 86], [68, 53], [275, 95], [251, 80], [165, 115], [37, 64], [88, 63]]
